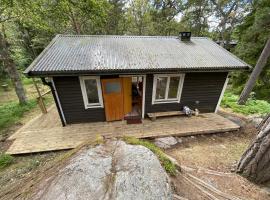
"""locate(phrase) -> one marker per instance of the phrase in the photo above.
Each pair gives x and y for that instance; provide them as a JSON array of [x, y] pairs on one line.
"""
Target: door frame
[[144, 86]]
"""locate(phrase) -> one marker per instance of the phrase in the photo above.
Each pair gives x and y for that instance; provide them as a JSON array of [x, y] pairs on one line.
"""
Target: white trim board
[[143, 100], [222, 93], [59, 103]]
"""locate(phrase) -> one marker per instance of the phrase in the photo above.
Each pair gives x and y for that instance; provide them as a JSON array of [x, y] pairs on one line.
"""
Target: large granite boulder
[[114, 170]]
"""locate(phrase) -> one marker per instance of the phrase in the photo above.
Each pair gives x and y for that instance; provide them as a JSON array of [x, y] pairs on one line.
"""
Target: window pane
[[161, 87], [112, 87], [91, 90], [173, 88]]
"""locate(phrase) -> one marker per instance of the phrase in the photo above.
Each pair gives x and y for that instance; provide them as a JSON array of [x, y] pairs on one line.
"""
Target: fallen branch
[[207, 171], [204, 187], [212, 188]]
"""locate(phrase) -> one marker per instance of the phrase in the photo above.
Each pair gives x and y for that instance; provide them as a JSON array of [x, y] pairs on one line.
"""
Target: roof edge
[[230, 53], [129, 71], [28, 69], [130, 36]]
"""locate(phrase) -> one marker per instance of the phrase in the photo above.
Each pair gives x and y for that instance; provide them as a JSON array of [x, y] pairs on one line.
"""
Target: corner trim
[[222, 92], [59, 103]]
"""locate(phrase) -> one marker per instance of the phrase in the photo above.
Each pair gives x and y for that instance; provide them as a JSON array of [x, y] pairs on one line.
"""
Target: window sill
[[94, 106], [164, 102]]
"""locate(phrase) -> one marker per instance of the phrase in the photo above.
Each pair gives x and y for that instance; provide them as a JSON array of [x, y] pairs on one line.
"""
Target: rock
[[165, 142], [236, 120], [114, 170], [256, 120], [179, 140]]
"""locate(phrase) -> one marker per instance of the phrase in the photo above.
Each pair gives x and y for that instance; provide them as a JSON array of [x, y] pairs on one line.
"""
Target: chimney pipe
[[185, 36]]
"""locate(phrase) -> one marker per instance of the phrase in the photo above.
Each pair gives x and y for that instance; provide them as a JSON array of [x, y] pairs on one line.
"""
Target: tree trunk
[[255, 162], [255, 73], [75, 23], [11, 69]]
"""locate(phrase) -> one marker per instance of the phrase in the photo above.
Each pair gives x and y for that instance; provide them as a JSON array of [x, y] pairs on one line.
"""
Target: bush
[[252, 105], [5, 160], [11, 112], [165, 161]]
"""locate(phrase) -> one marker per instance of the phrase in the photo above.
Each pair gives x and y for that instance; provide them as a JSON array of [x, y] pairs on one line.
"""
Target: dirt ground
[[23, 166], [208, 157], [211, 158]]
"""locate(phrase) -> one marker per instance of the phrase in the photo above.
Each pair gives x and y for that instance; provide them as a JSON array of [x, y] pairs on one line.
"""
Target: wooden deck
[[45, 133]]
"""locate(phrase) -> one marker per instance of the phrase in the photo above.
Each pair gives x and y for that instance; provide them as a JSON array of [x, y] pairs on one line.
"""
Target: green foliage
[[196, 17], [11, 112], [252, 106], [5, 160], [165, 161], [27, 81], [253, 34]]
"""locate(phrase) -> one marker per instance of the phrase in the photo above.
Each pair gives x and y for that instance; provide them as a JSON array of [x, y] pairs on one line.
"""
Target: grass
[[165, 161], [11, 112], [27, 81], [252, 106], [5, 160]]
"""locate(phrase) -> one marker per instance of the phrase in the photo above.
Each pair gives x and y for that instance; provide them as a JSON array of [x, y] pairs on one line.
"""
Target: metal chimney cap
[[185, 36]]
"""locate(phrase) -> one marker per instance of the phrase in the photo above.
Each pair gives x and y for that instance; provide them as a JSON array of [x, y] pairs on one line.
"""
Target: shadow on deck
[[45, 132]]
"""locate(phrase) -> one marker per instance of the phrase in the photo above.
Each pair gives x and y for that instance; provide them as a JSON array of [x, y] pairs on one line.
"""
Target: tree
[[164, 13], [11, 69], [252, 35], [116, 16], [5, 55], [255, 74], [139, 18], [228, 14], [196, 16], [255, 162]]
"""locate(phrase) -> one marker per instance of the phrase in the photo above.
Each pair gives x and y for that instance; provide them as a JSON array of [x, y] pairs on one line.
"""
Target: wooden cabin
[[105, 78]]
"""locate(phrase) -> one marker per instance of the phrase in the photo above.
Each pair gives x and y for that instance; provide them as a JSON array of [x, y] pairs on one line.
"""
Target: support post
[[40, 99]]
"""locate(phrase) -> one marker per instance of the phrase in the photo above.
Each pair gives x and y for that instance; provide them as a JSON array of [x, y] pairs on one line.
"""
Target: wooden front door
[[112, 90], [127, 88]]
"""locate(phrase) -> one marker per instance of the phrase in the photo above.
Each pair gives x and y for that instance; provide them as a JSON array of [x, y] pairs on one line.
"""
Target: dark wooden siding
[[70, 95], [204, 87]]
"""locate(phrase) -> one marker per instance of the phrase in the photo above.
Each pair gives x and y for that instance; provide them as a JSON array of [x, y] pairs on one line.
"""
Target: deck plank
[[45, 133]]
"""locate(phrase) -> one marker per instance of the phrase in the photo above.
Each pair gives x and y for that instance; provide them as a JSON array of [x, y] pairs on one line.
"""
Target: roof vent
[[185, 36]]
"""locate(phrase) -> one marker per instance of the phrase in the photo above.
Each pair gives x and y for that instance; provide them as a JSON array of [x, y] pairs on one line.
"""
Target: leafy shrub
[[5, 160], [165, 161], [252, 105], [27, 81]]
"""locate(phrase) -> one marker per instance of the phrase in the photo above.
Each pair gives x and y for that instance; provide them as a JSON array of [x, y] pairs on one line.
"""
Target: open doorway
[[123, 98], [134, 113]]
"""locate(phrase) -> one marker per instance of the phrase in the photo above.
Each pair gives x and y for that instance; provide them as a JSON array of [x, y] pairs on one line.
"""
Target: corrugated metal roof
[[81, 53]]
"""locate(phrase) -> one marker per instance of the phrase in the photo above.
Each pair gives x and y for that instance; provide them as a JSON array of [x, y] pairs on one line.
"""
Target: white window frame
[[166, 100], [84, 93]]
